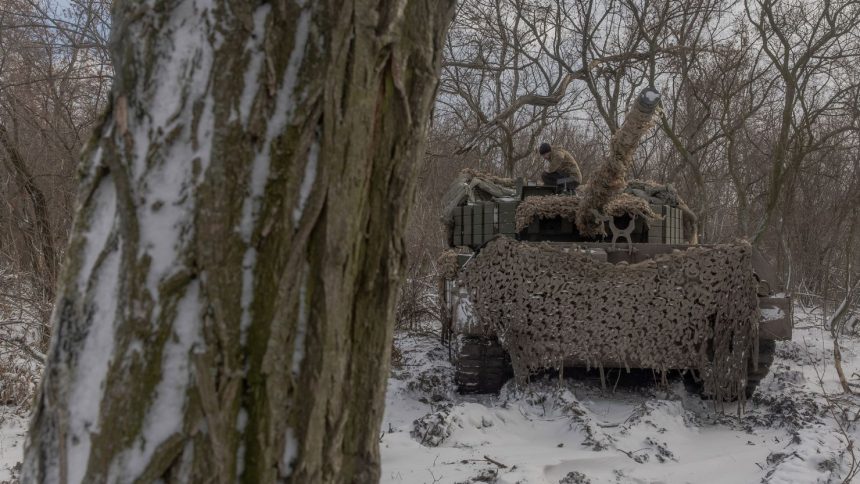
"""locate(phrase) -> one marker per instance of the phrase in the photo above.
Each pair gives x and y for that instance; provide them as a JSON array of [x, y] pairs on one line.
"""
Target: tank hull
[[773, 308]]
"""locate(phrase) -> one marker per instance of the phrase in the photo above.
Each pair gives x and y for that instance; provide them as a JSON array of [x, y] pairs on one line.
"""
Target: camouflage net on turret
[[471, 186], [567, 207], [694, 310], [666, 194], [470, 174]]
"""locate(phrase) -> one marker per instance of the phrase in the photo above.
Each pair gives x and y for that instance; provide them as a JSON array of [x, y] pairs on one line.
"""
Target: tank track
[[481, 365], [755, 375], [766, 350]]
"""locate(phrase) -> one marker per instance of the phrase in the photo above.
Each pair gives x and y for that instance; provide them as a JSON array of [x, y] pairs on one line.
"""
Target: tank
[[608, 276]]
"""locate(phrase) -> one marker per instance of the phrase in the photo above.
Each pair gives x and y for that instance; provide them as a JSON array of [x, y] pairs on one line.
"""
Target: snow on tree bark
[[225, 310]]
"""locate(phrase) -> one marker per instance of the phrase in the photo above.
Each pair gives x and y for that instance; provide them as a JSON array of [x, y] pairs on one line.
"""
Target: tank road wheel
[[482, 365], [766, 350]]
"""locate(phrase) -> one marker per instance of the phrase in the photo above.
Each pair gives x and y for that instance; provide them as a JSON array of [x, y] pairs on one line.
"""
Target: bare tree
[[811, 46], [54, 76], [493, 66]]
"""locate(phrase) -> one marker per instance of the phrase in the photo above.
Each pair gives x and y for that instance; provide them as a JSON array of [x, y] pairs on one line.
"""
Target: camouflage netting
[[654, 192], [550, 206], [658, 194], [447, 265], [567, 206], [473, 186], [694, 310], [472, 174]]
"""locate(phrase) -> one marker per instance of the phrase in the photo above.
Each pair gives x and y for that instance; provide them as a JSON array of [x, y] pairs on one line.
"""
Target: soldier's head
[[544, 150]]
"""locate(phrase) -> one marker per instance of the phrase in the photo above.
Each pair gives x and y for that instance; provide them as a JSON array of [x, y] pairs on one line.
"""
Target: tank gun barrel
[[610, 178]]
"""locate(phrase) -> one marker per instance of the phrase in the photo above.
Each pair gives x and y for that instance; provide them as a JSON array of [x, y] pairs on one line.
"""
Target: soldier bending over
[[562, 167]]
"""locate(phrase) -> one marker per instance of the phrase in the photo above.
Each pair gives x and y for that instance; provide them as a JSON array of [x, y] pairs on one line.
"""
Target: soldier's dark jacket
[[563, 162]]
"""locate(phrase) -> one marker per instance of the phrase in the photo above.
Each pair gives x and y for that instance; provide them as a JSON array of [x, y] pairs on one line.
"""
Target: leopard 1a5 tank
[[609, 277]]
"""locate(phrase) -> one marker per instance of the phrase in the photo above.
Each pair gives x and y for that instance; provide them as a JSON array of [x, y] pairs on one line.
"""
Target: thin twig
[[495, 462]]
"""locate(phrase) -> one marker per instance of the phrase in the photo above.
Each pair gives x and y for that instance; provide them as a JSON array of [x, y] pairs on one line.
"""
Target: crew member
[[562, 166]]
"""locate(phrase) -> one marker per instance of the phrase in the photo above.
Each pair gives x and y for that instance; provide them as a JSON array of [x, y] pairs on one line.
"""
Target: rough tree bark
[[226, 307]]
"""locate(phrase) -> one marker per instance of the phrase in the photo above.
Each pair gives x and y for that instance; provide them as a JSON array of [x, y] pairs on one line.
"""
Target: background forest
[[759, 129]]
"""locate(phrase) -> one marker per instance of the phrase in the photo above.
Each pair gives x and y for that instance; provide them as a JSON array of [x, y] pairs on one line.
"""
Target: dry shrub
[[22, 341], [417, 307]]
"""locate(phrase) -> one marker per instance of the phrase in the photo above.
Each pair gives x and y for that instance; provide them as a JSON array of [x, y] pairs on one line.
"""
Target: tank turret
[[610, 179]]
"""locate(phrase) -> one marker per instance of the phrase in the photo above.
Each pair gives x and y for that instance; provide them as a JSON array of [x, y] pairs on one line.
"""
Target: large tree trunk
[[226, 306]]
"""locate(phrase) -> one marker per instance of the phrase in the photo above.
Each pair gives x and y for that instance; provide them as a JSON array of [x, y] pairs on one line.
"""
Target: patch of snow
[[96, 160], [254, 49], [770, 314], [101, 223], [166, 413], [163, 170], [13, 430], [249, 262], [135, 347], [241, 420], [205, 134], [241, 424], [93, 364], [301, 325], [240, 460], [282, 115], [307, 182], [651, 96], [808, 460], [291, 451]]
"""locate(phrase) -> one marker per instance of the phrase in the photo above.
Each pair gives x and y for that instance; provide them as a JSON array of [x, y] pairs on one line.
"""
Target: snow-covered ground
[[13, 428], [20, 370], [573, 432]]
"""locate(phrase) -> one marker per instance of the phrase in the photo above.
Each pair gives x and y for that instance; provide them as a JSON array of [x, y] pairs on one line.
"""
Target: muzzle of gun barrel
[[649, 98]]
